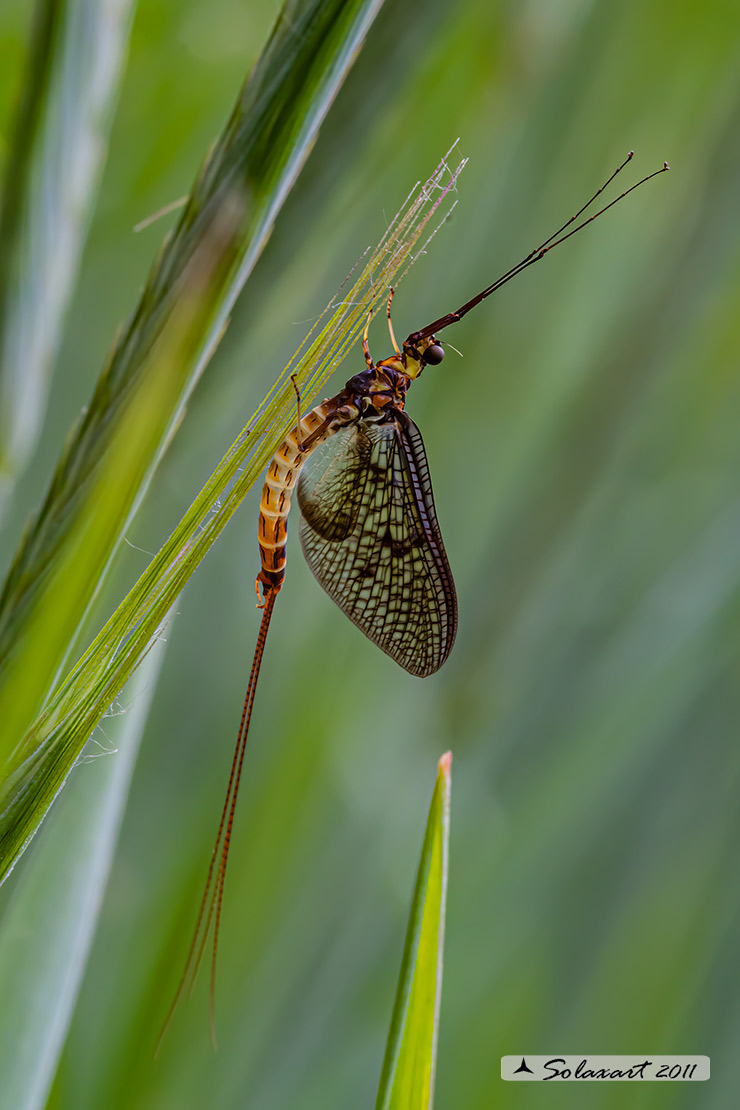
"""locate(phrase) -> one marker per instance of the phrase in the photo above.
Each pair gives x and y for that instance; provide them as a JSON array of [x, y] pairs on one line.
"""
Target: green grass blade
[[48, 927], [407, 1078], [136, 433], [75, 64], [259, 155], [44, 755]]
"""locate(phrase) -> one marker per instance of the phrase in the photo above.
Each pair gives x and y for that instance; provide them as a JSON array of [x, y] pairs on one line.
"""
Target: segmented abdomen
[[282, 475]]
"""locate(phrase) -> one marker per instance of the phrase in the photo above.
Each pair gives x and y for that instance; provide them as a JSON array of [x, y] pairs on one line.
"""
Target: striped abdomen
[[282, 475]]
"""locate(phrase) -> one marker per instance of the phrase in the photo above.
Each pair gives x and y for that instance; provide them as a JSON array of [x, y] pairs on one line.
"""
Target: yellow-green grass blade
[[137, 430], [75, 62], [48, 748], [49, 924], [407, 1078], [258, 156]]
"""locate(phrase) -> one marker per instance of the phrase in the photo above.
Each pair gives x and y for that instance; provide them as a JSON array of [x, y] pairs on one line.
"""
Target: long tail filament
[[211, 902]]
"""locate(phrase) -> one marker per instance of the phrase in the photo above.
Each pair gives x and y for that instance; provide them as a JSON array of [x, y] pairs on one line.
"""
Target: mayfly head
[[418, 354]]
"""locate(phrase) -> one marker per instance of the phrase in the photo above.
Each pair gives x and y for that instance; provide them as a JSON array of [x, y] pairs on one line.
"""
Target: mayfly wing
[[369, 532]]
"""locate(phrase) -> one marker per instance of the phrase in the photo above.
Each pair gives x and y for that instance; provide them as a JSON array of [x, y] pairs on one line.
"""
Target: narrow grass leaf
[[138, 429], [138, 426], [47, 930], [62, 129], [44, 756], [407, 1078]]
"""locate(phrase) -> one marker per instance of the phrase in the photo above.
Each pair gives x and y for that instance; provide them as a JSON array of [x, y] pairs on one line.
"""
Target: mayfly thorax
[[368, 530]]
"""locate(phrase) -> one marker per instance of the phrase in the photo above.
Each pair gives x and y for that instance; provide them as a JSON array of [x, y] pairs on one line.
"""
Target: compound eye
[[434, 354]]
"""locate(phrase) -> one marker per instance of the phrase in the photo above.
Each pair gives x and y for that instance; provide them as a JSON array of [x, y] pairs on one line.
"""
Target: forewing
[[330, 486], [369, 532]]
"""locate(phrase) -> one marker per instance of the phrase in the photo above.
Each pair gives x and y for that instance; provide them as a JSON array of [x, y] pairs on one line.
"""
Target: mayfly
[[368, 530]]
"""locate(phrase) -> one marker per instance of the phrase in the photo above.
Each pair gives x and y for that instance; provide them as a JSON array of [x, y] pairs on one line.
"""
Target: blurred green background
[[584, 454]]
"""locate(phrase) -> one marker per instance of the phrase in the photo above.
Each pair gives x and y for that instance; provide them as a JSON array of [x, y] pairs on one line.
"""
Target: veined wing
[[369, 533]]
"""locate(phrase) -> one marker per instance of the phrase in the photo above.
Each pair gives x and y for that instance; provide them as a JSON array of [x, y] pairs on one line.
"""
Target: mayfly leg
[[365, 343], [298, 430], [394, 341]]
